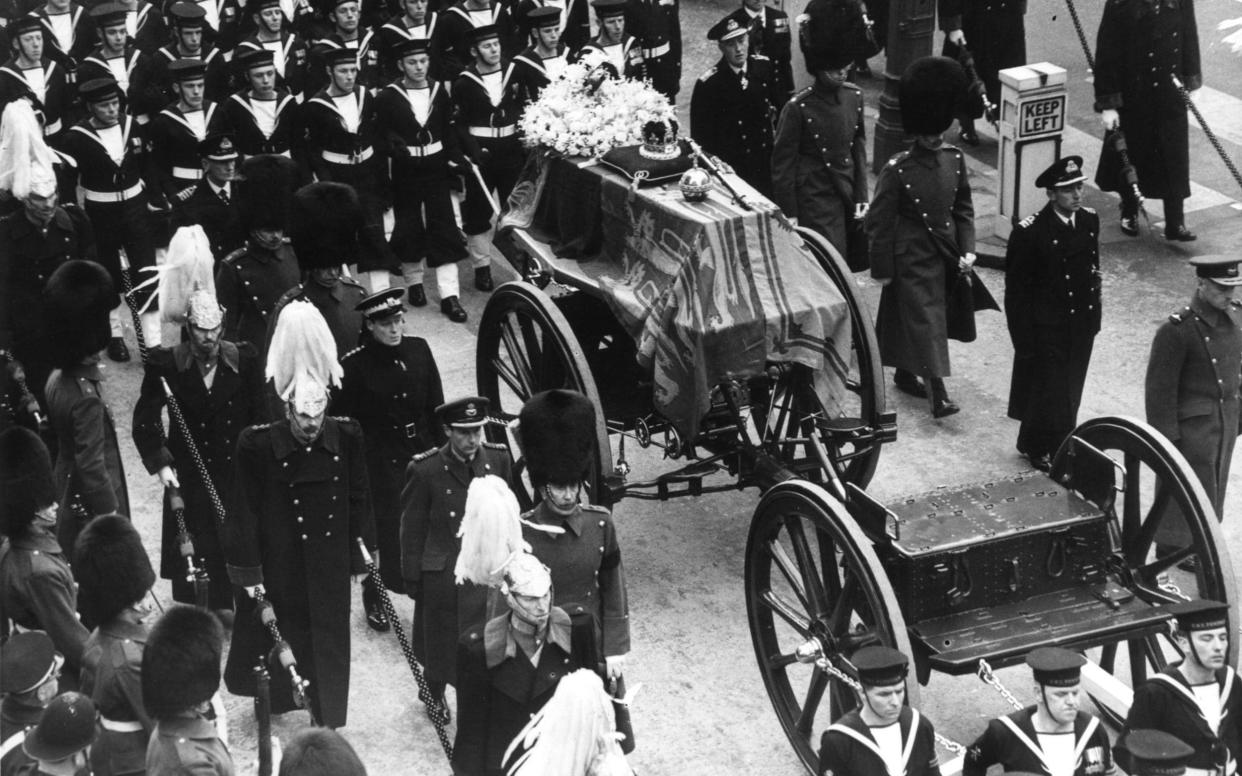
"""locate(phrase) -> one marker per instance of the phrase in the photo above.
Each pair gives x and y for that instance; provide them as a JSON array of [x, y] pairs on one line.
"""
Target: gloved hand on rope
[[1111, 119]]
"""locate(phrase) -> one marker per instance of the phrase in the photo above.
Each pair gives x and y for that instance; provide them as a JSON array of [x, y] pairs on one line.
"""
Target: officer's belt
[[358, 158], [658, 51], [505, 131], [117, 726], [113, 196], [188, 173], [53, 128], [426, 150]]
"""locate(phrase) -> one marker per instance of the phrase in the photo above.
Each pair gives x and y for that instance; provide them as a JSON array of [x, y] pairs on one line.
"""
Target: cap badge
[[1070, 166]]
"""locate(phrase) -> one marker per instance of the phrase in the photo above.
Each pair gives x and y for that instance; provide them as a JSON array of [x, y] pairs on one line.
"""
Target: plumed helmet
[[327, 218], [26, 483], [829, 31], [111, 568], [77, 299], [265, 191], [181, 662], [557, 429], [931, 91]]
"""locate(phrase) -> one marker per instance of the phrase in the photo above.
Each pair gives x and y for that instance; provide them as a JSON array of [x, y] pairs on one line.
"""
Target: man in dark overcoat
[[1140, 47], [213, 204], [1052, 304], [995, 31], [433, 504], [768, 30], [733, 105]]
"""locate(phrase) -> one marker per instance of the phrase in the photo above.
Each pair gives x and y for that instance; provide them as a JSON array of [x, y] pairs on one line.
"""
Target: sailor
[[287, 50], [544, 59], [1053, 735], [188, 23], [68, 31], [457, 30], [117, 57], [175, 133], [882, 735], [348, 33], [29, 678], [573, 23], [1154, 753], [657, 25], [416, 23], [262, 116], [214, 205], [614, 45], [32, 72]]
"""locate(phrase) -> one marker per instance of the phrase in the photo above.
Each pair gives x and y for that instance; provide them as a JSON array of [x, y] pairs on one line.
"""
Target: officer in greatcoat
[[433, 504], [1196, 700], [213, 203], [300, 509], [392, 388], [882, 730], [995, 32], [1140, 47], [734, 104], [1052, 304], [1053, 735], [1193, 377]]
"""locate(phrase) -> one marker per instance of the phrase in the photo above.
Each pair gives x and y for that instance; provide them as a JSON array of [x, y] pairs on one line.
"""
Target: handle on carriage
[[263, 716], [435, 705], [194, 575], [1215, 141], [710, 165], [282, 653]]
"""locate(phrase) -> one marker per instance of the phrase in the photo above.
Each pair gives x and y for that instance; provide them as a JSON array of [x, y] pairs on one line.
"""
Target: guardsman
[[1052, 304], [37, 591], [558, 434], [218, 386], [415, 23], [251, 279], [995, 30], [391, 387], [883, 734], [341, 133], [614, 45], [213, 205], [180, 674], [348, 33], [487, 114], [114, 577], [415, 116], [433, 504], [287, 51], [458, 39], [819, 154], [544, 59], [1193, 377], [176, 131], [767, 28], [117, 58], [1196, 700], [31, 71], [657, 25], [61, 742], [1154, 753], [263, 117], [29, 678], [573, 23], [316, 751], [1053, 734], [69, 33], [301, 507], [733, 105]]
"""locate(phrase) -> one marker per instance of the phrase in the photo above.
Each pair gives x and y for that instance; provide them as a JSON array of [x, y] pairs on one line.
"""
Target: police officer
[[1052, 304], [433, 503], [1053, 734], [30, 71], [287, 49], [60, 743], [657, 25], [29, 678], [767, 29], [733, 104], [882, 734], [1154, 753], [391, 387], [213, 205], [545, 58], [1196, 700], [263, 116], [614, 45], [177, 131], [995, 30], [117, 57]]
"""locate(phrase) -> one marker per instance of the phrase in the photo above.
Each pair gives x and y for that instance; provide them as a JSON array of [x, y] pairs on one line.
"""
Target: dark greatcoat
[[216, 418], [393, 392], [249, 282], [731, 116], [995, 33], [843, 755], [37, 592], [112, 678], [294, 519], [433, 504], [770, 36], [998, 744], [1137, 50], [910, 245], [221, 221], [1167, 703], [819, 160], [1052, 304]]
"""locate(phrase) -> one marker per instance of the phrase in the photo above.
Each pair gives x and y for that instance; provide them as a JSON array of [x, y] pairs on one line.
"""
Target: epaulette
[[761, 57], [496, 446], [595, 508], [1024, 223], [802, 94], [351, 281], [424, 455], [898, 158], [234, 256], [345, 420], [710, 72], [855, 87], [1180, 315], [352, 352]]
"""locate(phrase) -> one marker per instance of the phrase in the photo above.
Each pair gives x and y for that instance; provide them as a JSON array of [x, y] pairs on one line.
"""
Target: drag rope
[[174, 410], [989, 678], [1181, 89], [1082, 36]]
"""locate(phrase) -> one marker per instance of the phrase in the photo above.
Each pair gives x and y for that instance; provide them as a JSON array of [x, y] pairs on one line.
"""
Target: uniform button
[[303, 537], [296, 502], [448, 491], [327, 533], [601, 523], [601, 549], [300, 520], [452, 514]]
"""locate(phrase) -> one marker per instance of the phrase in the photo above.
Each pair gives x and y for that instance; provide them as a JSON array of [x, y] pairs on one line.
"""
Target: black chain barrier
[[1181, 89]]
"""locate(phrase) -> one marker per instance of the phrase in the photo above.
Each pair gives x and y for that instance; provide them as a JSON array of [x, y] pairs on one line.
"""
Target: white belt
[[120, 727], [188, 173], [493, 131], [52, 128], [113, 196], [358, 158], [426, 150], [658, 51]]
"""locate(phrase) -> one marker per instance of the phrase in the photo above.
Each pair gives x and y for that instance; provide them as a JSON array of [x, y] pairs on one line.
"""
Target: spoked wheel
[[814, 586], [856, 455], [1169, 546], [526, 346]]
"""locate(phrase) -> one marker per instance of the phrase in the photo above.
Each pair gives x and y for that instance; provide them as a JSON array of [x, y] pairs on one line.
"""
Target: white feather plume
[[302, 347], [25, 158], [574, 734], [189, 268], [490, 533]]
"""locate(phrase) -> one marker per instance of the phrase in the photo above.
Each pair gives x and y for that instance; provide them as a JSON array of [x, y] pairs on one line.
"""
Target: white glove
[[1110, 119], [860, 210], [957, 37], [185, 193], [968, 261], [251, 590], [168, 477], [615, 665]]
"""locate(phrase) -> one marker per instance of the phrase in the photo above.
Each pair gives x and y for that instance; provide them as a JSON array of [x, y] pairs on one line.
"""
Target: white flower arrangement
[[572, 118]]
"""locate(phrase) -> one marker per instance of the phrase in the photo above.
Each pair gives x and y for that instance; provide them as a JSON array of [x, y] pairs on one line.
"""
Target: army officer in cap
[[1052, 304], [883, 734], [433, 503], [1155, 753], [1052, 735], [1196, 700], [391, 387]]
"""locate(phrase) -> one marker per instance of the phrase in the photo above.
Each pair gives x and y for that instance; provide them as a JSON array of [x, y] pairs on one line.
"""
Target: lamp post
[[911, 27]]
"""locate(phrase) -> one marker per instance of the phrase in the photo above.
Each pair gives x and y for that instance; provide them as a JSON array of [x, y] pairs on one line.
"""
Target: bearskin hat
[[931, 91], [829, 31], [319, 751], [111, 567], [181, 662], [26, 482], [78, 297], [327, 218], [265, 191], [557, 430]]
